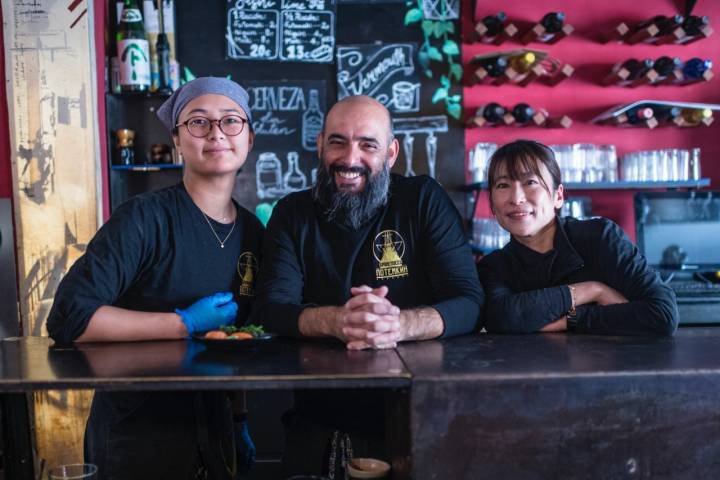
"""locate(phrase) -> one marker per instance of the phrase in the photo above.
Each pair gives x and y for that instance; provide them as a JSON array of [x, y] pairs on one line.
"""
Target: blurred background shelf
[[620, 185]]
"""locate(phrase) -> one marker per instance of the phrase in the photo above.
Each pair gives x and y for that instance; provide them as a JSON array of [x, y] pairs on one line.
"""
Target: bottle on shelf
[[490, 27], [521, 63], [669, 29], [522, 113], [641, 116], [696, 69], [162, 50], [694, 117], [550, 29], [625, 73], [667, 69], [695, 28], [490, 114], [495, 66], [133, 50], [665, 114]]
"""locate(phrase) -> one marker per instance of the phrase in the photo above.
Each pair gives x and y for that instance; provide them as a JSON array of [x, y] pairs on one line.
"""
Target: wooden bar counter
[[476, 407]]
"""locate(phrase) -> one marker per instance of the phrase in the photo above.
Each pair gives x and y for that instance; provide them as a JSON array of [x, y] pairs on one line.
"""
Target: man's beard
[[351, 209]]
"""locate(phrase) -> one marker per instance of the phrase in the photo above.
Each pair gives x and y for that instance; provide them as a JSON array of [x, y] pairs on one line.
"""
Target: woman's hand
[[596, 292]]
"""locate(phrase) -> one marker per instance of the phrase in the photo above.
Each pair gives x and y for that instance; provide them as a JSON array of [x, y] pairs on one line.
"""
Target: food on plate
[[216, 335], [231, 332]]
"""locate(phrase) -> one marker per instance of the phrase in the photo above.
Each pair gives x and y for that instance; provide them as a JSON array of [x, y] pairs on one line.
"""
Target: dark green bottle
[[133, 50]]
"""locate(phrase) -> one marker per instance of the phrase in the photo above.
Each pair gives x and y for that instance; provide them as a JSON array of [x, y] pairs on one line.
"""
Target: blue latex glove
[[244, 447], [209, 313]]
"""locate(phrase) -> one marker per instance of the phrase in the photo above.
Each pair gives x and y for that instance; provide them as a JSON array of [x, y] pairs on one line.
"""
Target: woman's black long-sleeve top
[[526, 290]]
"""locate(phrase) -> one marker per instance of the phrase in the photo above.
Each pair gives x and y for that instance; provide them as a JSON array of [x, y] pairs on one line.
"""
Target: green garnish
[[254, 330]]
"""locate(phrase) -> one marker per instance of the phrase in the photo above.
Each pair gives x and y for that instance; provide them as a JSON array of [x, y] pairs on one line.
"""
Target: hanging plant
[[437, 46]]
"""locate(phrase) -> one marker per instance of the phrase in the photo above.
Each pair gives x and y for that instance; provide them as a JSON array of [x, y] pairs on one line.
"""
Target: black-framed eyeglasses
[[230, 125]]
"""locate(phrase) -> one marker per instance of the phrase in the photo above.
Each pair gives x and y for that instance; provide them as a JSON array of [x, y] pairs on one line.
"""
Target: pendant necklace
[[221, 242]]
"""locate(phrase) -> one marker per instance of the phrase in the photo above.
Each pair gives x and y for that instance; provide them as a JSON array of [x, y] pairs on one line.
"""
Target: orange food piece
[[242, 335], [216, 335]]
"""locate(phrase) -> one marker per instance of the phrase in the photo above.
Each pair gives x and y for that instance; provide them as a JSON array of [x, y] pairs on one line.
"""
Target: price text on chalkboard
[[285, 30]]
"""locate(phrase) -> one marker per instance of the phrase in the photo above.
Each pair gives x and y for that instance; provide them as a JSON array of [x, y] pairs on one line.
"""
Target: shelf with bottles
[[495, 29], [654, 113], [618, 185], [662, 29], [519, 67], [661, 71], [521, 115]]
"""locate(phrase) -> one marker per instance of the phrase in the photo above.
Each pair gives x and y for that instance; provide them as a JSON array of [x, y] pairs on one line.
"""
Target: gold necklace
[[222, 242]]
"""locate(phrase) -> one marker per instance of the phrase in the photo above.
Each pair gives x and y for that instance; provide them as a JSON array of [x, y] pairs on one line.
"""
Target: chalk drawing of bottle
[[294, 179], [312, 121], [431, 148], [268, 175]]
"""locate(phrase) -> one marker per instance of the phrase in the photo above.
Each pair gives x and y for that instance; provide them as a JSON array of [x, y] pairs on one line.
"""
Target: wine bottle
[[665, 65], [665, 113], [692, 117], [639, 115], [495, 66], [552, 22], [492, 113], [668, 24], [133, 50], [694, 68], [492, 27], [693, 25], [522, 63], [522, 113]]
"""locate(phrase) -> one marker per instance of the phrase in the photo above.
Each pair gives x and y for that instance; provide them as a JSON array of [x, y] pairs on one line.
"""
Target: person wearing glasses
[[562, 274], [169, 264]]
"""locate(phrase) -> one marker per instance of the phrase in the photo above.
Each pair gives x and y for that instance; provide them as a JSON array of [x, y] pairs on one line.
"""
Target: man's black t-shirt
[[415, 245], [157, 253]]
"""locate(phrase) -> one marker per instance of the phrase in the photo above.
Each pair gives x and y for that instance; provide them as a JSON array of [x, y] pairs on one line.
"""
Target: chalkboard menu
[[370, 51], [385, 72], [284, 30]]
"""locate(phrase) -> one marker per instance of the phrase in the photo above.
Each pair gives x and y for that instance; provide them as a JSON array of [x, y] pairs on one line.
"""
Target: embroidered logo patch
[[388, 250], [247, 268]]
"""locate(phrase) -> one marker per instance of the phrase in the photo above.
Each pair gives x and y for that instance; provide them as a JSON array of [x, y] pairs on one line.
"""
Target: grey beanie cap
[[169, 111]]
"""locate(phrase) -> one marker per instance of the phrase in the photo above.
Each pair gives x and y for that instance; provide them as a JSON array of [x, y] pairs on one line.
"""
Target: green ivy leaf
[[454, 110], [456, 70], [435, 54], [188, 74], [440, 94], [451, 48], [427, 27], [428, 73], [438, 29], [445, 81], [449, 26], [424, 60], [413, 15], [455, 98]]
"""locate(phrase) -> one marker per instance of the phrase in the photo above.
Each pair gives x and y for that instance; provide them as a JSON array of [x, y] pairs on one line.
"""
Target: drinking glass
[[479, 160], [75, 471]]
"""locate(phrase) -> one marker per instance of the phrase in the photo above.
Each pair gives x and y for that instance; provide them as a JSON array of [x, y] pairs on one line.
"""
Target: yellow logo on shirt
[[388, 250], [247, 268]]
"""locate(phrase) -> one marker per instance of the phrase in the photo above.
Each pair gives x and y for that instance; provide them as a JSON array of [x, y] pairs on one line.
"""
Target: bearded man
[[367, 257]]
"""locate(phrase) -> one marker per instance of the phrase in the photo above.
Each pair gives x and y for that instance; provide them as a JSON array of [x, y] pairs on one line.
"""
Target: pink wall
[[582, 97], [5, 158]]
